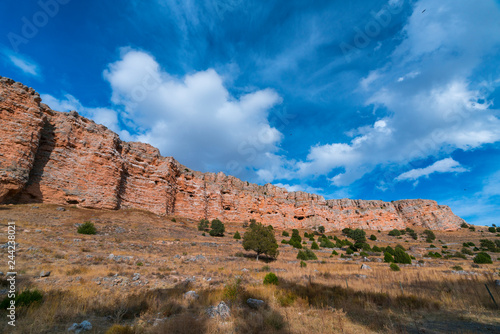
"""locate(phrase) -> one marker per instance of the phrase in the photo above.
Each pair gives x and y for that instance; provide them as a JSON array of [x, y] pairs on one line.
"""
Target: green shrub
[[395, 233], [464, 225], [376, 249], [265, 268], [467, 251], [357, 235], [472, 228], [173, 219], [295, 240], [492, 230], [217, 228], [303, 264], [488, 245], [25, 298], [87, 228], [457, 268], [430, 235], [373, 237], [284, 241], [388, 257], [434, 255], [314, 245], [285, 234], [203, 225], [326, 243], [306, 255], [321, 229], [271, 278], [483, 257], [349, 251], [237, 235], [432, 246], [335, 252], [363, 254], [394, 267], [389, 250]]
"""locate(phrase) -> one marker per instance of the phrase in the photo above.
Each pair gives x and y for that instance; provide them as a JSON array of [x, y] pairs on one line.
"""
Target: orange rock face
[[63, 158]]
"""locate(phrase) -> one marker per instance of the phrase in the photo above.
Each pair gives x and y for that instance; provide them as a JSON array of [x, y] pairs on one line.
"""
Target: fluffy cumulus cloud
[[425, 100], [194, 118], [447, 165]]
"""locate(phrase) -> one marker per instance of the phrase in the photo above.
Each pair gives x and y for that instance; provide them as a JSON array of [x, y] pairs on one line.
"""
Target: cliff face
[[63, 158]]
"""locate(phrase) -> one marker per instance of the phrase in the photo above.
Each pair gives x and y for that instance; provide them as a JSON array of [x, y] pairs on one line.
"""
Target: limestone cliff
[[63, 158]]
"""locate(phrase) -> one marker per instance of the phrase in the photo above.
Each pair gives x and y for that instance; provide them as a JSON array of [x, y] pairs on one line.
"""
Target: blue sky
[[363, 99]]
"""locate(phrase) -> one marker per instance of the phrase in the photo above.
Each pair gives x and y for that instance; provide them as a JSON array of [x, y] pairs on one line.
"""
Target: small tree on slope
[[261, 240]]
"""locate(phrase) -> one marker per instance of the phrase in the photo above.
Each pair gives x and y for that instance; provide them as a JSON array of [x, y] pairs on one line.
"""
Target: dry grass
[[328, 296]]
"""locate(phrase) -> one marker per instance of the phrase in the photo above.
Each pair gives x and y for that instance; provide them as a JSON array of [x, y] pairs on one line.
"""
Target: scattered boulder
[[190, 280], [78, 328], [60, 209], [255, 303], [191, 295], [111, 256], [45, 274], [222, 311], [200, 257], [365, 267]]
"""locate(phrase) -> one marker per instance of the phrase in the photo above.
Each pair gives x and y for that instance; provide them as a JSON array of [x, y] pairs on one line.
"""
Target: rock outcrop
[[63, 158]]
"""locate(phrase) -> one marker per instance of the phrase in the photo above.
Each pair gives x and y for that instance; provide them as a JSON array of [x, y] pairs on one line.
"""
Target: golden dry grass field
[[132, 275]]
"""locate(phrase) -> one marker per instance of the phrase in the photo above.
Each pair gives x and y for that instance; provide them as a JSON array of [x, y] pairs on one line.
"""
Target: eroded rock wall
[[64, 158]]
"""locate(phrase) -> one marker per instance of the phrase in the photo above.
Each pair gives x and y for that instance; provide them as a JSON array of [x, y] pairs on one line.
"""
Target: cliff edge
[[63, 158]]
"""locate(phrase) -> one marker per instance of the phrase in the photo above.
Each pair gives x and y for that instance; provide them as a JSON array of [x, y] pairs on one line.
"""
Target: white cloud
[[439, 110], [194, 118], [447, 165], [298, 187], [22, 62]]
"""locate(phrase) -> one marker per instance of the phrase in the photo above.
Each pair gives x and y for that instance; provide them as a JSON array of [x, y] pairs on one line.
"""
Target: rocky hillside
[[63, 158]]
